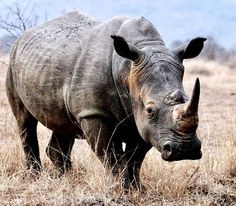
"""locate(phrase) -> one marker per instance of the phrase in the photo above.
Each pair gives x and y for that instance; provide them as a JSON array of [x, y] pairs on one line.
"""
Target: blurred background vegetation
[[21, 17]]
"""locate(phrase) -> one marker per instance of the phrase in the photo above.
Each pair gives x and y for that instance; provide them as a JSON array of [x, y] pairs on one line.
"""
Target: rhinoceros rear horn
[[126, 50]]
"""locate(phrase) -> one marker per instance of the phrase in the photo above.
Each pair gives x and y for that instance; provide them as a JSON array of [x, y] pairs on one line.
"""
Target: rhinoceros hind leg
[[27, 126], [28, 132], [59, 150]]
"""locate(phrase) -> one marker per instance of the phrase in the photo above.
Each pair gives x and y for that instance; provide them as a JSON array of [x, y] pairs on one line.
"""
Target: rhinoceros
[[113, 83]]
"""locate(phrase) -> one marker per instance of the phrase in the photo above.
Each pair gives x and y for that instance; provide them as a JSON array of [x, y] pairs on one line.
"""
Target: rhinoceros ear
[[125, 49], [191, 49]]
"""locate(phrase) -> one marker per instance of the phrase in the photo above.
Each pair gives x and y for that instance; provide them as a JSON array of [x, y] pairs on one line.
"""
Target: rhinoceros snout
[[172, 152]]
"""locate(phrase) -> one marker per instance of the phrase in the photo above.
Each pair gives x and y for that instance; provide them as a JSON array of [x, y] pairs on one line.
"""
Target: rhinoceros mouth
[[170, 157], [173, 152]]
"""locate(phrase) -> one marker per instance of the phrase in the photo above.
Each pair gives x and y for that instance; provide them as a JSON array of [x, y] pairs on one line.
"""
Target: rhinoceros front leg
[[108, 147], [59, 150], [99, 135], [135, 154]]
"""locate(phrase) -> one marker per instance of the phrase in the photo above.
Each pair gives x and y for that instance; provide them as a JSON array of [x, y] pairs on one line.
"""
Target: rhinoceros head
[[164, 115]]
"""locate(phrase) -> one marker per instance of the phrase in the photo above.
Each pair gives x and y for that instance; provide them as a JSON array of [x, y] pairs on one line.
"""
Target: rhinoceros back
[[57, 42]]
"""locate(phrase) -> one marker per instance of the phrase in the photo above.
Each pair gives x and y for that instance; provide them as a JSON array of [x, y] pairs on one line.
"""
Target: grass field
[[210, 181]]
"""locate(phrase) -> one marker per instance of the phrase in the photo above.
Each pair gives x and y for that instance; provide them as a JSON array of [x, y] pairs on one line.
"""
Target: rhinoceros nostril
[[166, 150], [167, 147]]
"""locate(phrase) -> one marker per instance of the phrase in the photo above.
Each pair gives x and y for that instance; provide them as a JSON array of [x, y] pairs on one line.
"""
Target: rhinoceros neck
[[120, 71]]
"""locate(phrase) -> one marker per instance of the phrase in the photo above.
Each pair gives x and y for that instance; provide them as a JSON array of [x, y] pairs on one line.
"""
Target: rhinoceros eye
[[150, 111]]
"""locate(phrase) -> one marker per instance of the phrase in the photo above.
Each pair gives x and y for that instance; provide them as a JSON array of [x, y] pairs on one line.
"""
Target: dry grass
[[210, 181]]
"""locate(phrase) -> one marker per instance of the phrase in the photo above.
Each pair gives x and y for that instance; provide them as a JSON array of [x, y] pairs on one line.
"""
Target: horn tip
[[197, 82]]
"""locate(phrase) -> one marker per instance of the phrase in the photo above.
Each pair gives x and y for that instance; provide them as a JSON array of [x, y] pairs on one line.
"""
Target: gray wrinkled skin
[[70, 75]]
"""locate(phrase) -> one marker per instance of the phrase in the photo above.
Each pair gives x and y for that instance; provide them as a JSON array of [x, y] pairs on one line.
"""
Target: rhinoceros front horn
[[192, 104], [185, 116]]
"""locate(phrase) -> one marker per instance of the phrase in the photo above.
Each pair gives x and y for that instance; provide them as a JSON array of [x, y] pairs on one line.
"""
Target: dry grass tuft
[[210, 181]]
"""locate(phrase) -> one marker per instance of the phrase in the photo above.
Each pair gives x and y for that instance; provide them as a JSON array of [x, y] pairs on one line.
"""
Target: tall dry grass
[[210, 181]]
